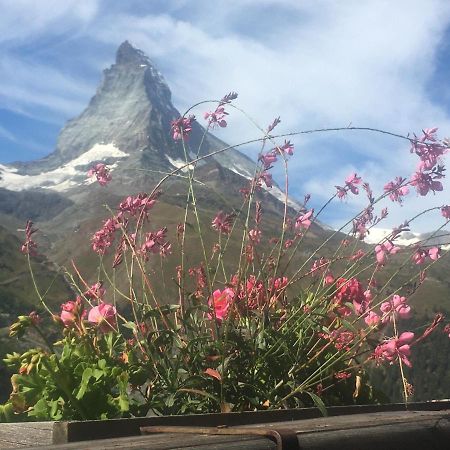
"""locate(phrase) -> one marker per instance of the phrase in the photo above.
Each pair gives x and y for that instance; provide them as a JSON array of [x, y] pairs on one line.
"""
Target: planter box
[[422, 425]]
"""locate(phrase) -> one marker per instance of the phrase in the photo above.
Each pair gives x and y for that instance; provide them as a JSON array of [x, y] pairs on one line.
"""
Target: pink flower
[[95, 292], [395, 348], [351, 181], [429, 134], [350, 185], [266, 177], [420, 254], [304, 221], [273, 124], [72, 312], [220, 302], [29, 246], [255, 236], [103, 238], [101, 172], [350, 291], [396, 307], [182, 127], [268, 159], [287, 147], [223, 222], [135, 205], [217, 117], [155, 242], [445, 211], [426, 182], [342, 375], [396, 190], [329, 278], [433, 253], [387, 248], [280, 283], [104, 316], [372, 319]]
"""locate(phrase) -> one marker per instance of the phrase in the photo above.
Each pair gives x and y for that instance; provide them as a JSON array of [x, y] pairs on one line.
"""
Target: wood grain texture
[[428, 421], [19, 435]]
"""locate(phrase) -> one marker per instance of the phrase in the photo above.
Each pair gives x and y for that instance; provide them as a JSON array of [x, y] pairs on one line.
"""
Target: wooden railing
[[424, 426]]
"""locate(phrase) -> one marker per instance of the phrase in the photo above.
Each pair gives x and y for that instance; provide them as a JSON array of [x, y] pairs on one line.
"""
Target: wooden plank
[[76, 431], [377, 431], [17, 435], [42, 433], [168, 442]]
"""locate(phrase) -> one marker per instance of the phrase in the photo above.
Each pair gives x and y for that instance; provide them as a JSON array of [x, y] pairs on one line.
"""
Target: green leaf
[[124, 403], [101, 363], [318, 402], [97, 374], [40, 410], [7, 413], [87, 374]]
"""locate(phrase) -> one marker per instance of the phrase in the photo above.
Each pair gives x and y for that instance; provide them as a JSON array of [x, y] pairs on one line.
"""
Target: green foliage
[[192, 366]]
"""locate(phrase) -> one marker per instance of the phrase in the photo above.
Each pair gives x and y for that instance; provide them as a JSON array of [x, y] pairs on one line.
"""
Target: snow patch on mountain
[[376, 235], [63, 178], [179, 164], [242, 171]]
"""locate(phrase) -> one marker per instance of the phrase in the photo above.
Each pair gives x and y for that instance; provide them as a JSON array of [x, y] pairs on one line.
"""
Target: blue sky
[[384, 64]]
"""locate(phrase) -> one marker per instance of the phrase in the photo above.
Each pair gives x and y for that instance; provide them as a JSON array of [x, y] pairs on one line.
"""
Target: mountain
[[126, 124]]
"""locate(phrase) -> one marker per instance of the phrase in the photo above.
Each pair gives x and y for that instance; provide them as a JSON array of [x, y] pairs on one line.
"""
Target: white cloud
[[26, 84], [6, 134], [22, 19]]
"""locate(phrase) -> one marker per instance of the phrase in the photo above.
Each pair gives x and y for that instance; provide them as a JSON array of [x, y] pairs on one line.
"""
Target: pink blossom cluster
[[182, 127], [395, 308], [395, 348], [103, 315], [421, 254], [72, 312], [429, 172], [29, 246], [132, 206], [135, 205], [384, 249], [223, 223], [391, 310], [342, 339], [351, 185], [101, 172], [351, 291], [445, 211], [304, 220], [270, 157], [220, 302], [103, 238], [252, 293], [397, 189], [216, 117], [155, 243]]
